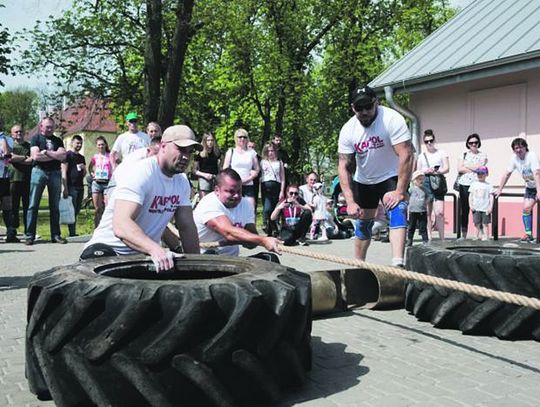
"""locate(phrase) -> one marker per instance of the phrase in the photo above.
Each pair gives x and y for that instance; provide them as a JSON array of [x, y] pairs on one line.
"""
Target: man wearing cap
[[226, 217], [375, 163], [147, 194], [129, 141]]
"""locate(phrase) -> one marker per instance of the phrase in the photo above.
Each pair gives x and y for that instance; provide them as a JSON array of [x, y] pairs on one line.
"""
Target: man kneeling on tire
[[147, 194], [224, 216]]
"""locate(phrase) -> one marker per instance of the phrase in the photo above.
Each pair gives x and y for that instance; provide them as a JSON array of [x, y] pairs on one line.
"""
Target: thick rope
[[503, 296]]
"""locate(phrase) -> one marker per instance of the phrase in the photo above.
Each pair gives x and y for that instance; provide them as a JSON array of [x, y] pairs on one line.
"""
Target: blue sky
[[18, 14]]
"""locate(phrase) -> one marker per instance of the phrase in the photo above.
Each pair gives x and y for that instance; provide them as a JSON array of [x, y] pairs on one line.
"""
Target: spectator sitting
[[343, 220], [319, 213], [227, 217], [306, 190], [295, 217], [330, 225], [481, 203]]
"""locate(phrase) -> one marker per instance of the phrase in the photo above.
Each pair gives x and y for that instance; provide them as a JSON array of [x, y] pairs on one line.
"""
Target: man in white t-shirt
[[526, 163], [375, 163], [147, 194], [127, 142], [225, 216]]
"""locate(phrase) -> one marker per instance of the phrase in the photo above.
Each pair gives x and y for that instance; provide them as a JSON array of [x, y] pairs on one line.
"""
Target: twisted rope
[[510, 298]]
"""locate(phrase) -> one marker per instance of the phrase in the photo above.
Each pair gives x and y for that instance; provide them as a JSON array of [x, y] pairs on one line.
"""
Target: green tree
[[19, 106], [131, 51], [5, 50]]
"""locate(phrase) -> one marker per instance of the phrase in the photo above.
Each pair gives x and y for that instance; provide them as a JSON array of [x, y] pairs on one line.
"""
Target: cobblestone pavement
[[360, 358]]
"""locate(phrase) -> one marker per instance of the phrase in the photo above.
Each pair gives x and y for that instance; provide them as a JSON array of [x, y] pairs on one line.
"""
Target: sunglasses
[[242, 137], [473, 143], [359, 108], [293, 193], [430, 141], [133, 121]]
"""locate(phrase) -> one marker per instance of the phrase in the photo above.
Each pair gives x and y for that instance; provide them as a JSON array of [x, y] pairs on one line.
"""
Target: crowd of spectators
[[292, 213]]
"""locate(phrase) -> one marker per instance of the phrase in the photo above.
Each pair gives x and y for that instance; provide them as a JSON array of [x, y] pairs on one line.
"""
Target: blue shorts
[[99, 187]]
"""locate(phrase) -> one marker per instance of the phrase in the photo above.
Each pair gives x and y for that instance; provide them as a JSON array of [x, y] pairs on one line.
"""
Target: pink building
[[478, 73]]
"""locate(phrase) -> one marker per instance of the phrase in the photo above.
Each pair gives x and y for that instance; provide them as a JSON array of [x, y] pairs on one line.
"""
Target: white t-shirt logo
[[161, 204], [371, 143]]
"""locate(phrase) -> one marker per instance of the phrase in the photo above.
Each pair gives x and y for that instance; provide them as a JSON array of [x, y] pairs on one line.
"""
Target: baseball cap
[[132, 116], [182, 136], [417, 173], [482, 170], [363, 96]]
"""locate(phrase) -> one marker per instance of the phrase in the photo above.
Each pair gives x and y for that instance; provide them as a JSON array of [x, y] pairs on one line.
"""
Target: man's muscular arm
[[346, 167]]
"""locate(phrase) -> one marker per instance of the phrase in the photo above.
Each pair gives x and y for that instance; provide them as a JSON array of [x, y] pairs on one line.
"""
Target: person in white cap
[[147, 195]]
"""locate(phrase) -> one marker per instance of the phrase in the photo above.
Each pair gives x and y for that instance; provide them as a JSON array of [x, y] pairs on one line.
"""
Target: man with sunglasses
[[375, 164], [147, 195], [127, 142], [226, 217]]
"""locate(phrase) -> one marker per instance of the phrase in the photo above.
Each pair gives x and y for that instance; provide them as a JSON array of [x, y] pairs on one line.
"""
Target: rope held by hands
[[510, 298]]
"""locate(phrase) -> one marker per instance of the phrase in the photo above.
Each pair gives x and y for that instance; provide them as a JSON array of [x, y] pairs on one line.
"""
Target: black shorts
[[4, 187], [369, 196]]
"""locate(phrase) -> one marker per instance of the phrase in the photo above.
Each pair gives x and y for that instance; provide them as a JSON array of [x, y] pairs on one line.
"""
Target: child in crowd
[[417, 208], [481, 203], [319, 213], [343, 220]]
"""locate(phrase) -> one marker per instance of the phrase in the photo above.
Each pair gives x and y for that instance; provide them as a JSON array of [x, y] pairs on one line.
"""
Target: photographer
[[295, 217]]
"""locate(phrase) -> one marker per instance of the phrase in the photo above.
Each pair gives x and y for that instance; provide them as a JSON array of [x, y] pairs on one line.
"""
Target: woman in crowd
[[273, 185], [433, 162], [468, 163], [244, 161], [206, 164], [100, 169], [526, 163], [153, 130], [295, 216]]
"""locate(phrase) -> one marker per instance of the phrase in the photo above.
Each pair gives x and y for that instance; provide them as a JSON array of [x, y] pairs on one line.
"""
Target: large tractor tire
[[217, 331], [515, 270]]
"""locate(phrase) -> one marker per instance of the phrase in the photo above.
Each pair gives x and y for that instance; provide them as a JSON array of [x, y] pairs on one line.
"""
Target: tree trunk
[[152, 60], [177, 52]]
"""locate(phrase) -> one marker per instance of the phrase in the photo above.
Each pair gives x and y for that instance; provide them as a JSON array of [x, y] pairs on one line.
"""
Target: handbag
[[437, 182], [67, 211], [456, 182]]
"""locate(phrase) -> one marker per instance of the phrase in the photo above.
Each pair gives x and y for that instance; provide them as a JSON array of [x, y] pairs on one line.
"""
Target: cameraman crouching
[[295, 217]]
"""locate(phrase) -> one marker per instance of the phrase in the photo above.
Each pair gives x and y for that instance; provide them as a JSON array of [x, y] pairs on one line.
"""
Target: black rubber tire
[[217, 331], [514, 270]]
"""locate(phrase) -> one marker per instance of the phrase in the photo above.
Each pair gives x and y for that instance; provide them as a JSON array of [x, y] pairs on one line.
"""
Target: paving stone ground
[[360, 358]]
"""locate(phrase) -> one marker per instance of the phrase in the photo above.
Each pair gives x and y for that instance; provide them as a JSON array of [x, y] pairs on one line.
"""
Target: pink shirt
[[102, 167]]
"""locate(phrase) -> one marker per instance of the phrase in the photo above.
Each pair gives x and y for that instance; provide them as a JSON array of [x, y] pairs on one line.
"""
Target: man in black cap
[[375, 163]]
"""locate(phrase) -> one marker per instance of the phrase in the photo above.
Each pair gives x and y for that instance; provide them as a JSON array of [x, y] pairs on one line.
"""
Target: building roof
[[87, 115], [487, 38]]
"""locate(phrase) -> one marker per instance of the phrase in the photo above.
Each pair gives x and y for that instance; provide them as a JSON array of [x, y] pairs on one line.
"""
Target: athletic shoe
[[29, 241], [527, 239], [302, 242], [12, 239]]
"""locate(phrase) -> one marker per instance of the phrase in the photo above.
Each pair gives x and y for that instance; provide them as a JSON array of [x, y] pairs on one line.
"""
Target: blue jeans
[[76, 194], [53, 181]]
